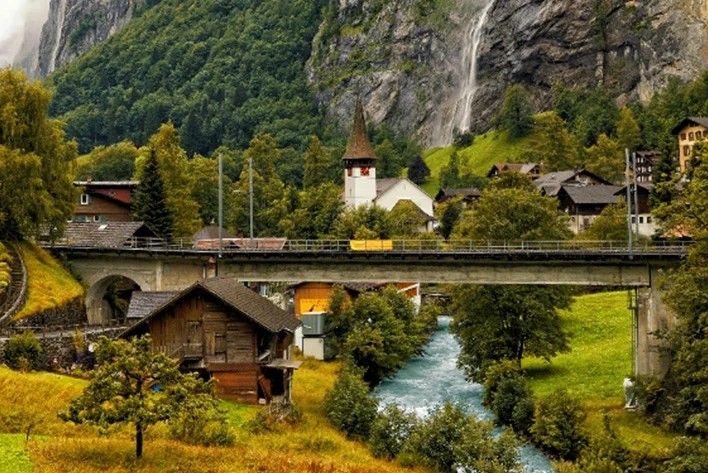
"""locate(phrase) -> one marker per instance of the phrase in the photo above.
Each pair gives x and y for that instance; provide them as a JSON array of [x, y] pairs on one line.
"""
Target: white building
[[360, 184]]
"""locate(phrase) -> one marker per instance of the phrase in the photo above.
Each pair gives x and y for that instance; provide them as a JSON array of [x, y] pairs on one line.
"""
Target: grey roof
[[703, 121], [211, 232], [104, 234], [558, 177], [600, 194], [465, 192], [143, 303], [234, 294], [382, 185]]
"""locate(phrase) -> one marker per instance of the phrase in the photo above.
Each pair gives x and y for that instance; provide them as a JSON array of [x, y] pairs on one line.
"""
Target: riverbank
[[312, 445], [595, 368]]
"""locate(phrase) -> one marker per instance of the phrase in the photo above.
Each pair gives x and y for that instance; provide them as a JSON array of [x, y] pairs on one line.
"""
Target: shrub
[[22, 351], [513, 403], [557, 427], [690, 455], [207, 427], [349, 406], [495, 374], [432, 443], [478, 452], [390, 430]]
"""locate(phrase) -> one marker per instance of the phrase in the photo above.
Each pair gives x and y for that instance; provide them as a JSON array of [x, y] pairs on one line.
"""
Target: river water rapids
[[433, 379]]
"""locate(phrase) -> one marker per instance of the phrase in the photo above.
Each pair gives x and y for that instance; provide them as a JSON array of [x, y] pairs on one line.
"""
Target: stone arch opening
[[107, 299]]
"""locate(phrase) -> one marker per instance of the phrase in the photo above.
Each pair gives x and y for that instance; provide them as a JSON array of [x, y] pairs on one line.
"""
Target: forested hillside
[[220, 70]]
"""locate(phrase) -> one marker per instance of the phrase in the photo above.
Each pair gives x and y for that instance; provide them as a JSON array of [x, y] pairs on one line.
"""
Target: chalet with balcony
[[585, 203], [466, 195], [690, 131], [104, 201], [223, 330], [532, 170]]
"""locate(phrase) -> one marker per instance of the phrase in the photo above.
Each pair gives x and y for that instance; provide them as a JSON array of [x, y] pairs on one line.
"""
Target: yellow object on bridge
[[371, 245]]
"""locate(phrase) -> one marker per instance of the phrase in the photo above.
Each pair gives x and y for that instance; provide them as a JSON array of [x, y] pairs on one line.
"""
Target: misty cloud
[[20, 26]]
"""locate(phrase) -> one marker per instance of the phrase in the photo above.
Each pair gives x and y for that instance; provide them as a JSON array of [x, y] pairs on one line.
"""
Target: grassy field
[[595, 369], [15, 458], [50, 284], [488, 149], [312, 446]]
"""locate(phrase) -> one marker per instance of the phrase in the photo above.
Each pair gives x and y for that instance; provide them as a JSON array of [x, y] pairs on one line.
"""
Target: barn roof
[[237, 296], [104, 234], [211, 232], [600, 194], [464, 192], [143, 303]]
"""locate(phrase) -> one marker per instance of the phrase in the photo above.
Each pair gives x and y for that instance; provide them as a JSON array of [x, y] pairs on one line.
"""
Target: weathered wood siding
[[238, 386]]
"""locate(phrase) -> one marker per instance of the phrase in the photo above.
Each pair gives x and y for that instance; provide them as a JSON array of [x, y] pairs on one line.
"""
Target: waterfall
[[472, 40], [61, 16]]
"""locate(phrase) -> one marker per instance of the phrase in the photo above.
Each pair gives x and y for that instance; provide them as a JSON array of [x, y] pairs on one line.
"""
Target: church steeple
[[359, 146], [360, 164]]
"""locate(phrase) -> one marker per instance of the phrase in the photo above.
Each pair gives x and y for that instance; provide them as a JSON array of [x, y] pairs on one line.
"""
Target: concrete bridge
[[163, 268]]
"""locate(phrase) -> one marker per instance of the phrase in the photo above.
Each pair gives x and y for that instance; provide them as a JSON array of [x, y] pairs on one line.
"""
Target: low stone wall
[[70, 314], [60, 345]]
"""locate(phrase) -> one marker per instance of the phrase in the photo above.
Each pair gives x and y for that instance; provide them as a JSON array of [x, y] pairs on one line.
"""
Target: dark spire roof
[[359, 146]]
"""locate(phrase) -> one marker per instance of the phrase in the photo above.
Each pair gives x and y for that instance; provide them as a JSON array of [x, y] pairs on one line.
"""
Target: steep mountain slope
[[223, 70], [72, 28], [429, 66]]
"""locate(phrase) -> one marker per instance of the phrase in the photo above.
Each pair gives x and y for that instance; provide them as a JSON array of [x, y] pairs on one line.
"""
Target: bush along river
[[433, 379]]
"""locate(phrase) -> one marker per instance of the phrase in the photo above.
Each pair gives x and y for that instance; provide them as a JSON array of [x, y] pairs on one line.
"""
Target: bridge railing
[[281, 245]]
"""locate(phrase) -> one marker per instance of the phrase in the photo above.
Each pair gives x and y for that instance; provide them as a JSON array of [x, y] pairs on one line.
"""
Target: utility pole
[[221, 201], [250, 194], [636, 196], [629, 204]]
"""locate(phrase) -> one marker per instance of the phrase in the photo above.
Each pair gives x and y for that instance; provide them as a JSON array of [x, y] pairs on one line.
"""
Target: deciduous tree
[[122, 389], [35, 161], [552, 143], [316, 165], [606, 159], [516, 114]]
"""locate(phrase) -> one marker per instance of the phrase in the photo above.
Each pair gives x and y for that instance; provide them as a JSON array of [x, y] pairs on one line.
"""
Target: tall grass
[[49, 284], [311, 446], [4, 268]]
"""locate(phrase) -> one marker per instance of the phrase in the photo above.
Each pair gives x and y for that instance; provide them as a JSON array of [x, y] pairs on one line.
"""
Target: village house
[[311, 304], [104, 201], [551, 183], [690, 131], [585, 203], [645, 165], [532, 170], [222, 330], [467, 196], [361, 187]]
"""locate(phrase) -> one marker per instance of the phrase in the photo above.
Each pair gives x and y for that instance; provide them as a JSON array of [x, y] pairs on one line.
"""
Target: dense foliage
[[221, 70], [390, 430], [149, 203], [35, 161], [516, 114], [558, 425]]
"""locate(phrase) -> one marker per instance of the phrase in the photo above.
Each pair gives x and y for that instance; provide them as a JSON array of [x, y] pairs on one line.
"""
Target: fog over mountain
[[20, 27]]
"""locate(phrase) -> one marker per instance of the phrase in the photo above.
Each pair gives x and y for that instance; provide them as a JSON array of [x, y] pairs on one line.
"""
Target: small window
[[649, 219], [683, 136], [699, 135], [365, 171], [641, 220], [687, 151], [690, 136], [85, 199], [96, 218], [634, 219], [349, 172]]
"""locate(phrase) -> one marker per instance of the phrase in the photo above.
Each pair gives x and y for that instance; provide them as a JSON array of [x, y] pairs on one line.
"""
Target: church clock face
[[365, 171]]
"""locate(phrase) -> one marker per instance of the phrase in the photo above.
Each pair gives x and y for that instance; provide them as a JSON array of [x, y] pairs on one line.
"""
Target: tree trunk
[[138, 440]]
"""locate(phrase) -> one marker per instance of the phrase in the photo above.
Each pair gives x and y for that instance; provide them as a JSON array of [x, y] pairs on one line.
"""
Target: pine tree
[[316, 164], [150, 200], [418, 171]]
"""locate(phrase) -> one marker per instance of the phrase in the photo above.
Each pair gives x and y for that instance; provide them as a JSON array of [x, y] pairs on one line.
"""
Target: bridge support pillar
[[653, 319]]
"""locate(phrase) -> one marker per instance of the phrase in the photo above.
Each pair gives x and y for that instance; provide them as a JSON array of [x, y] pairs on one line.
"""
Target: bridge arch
[[101, 309]]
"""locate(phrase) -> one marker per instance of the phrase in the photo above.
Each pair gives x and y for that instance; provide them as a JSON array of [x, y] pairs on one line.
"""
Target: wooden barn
[[226, 331]]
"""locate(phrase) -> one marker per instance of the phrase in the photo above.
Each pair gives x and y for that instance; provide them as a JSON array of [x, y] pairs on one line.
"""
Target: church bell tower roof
[[359, 146]]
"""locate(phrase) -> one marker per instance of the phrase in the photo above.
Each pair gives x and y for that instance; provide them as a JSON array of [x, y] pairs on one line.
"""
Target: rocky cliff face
[[72, 28], [414, 70]]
